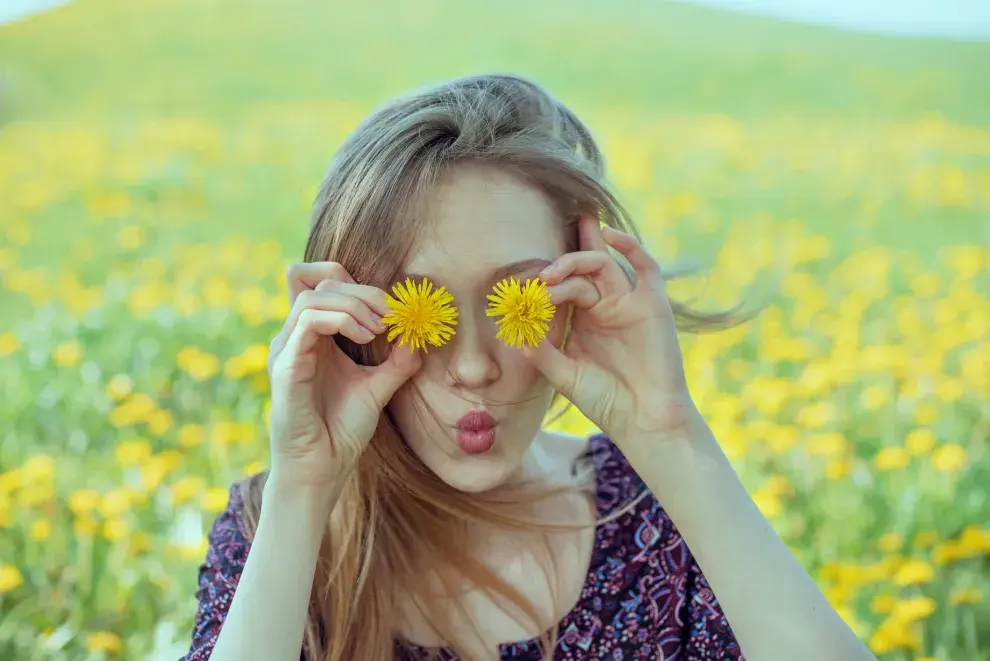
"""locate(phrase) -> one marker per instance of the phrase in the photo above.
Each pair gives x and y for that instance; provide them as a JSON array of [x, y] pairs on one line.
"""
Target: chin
[[470, 473], [476, 474]]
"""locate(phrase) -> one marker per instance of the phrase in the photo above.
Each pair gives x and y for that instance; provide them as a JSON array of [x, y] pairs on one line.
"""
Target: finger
[[578, 290], [647, 269], [590, 233], [308, 275], [597, 264], [391, 374], [314, 324], [558, 369], [373, 297], [332, 301], [328, 302]]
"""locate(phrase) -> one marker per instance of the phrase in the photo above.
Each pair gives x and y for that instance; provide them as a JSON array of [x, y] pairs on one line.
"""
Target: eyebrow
[[501, 272]]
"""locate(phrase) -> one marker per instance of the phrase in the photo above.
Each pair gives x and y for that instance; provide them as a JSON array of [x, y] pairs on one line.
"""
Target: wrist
[[313, 502], [660, 418]]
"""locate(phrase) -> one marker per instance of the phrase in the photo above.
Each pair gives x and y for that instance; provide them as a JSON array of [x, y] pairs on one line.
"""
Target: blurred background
[[158, 160]]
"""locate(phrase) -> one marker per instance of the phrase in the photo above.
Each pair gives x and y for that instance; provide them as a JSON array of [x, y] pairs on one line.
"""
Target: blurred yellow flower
[[891, 458], [83, 501], [67, 354], [890, 542], [215, 499], [769, 503], [191, 435], [913, 572], [159, 422], [837, 469], [38, 468], [948, 552], [949, 458], [103, 641], [198, 364], [85, 526], [252, 360], [10, 578], [153, 472], [133, 410], [115, 503], [913, 608], [826, 444], [883, 604], [254, 468], [816, 415], [119, 386], [130, 237], [40, 530], [114, 530], [925, 539], [9, 344], [974, 540], [919, 441], [782, 438], [133, 451], [141, 541], [187, 488], [965, 596], [950, 389], [873, 397]]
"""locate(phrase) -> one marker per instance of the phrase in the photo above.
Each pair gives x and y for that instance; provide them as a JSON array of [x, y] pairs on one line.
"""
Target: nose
[[472, 364]]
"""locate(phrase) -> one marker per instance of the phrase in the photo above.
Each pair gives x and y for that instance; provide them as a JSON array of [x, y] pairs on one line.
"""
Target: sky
[[966, 19]]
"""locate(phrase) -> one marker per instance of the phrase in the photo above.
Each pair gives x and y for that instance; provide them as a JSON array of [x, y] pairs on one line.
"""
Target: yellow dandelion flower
[[890, 542], [965, 596], [891, 458], [40, 530], [10, 578], [913, 609], [104, 641], [949, 458], [525, 311], [925, 539], [914, 572], [420, 315]]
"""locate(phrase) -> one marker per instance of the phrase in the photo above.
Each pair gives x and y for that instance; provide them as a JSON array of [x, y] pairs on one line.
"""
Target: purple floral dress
[[644, 596]]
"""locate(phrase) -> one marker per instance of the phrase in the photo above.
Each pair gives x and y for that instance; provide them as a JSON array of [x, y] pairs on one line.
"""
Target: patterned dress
[[644, 596]]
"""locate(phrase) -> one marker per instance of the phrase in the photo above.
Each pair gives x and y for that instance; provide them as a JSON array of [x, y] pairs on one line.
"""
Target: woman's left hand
[[622, 365]]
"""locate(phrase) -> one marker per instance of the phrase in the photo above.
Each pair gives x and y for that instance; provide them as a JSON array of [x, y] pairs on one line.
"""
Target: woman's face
[[486, 226]]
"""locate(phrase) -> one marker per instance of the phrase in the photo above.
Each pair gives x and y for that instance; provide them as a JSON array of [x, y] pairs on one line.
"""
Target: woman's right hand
[[325, 407]]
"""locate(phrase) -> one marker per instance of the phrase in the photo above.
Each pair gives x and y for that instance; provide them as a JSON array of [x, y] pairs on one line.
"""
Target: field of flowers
[[142, 256]]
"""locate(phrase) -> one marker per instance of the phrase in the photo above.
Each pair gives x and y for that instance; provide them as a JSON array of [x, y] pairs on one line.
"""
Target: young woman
[[415, 508]]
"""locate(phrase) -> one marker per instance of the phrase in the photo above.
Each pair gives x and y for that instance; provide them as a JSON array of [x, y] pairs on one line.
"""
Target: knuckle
[[307, 317], [328, 284], [294, 271], [306, 299]]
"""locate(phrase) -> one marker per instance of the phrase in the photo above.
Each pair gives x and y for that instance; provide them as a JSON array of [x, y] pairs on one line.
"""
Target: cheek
[[518, 374]]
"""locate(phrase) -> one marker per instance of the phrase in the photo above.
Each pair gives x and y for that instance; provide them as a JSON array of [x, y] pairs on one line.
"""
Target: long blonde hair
[[395, 519]]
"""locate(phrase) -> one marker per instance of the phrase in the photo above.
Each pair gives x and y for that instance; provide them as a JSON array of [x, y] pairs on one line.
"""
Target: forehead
[[482, 219]]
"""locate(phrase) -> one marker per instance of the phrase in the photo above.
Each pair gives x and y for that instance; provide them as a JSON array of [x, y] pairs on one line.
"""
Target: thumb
[[560, 370], [389, 376]]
